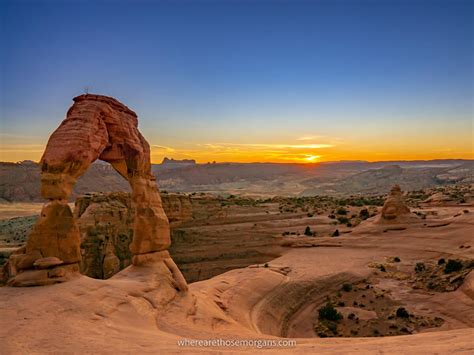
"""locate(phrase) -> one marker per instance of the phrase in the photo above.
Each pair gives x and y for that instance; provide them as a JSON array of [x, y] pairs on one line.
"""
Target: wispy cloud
[[22, 148], [271, 146], [162, 148], [309, 138], [16, 136]]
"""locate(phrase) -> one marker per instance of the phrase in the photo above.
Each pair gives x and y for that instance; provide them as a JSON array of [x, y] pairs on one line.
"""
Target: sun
[[312, 158]]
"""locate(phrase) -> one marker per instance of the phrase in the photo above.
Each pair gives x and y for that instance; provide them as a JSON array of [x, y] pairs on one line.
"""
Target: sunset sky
[[245, 81]]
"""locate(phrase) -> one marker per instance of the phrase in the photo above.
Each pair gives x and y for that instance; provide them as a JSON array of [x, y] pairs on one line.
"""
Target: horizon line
[[282, 163]]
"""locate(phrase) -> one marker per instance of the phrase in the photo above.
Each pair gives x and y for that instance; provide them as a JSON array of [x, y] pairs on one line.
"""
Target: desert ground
[[392, 286]]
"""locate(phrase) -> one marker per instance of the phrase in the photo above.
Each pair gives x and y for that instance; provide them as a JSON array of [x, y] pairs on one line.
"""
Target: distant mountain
[[175, 164], [21, 181], [411, 177]]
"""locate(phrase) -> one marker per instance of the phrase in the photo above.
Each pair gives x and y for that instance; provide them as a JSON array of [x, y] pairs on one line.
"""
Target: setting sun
[[312, 158]]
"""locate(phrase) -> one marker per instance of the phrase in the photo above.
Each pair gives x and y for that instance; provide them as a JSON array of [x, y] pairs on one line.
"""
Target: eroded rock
[[106, 222], [96, 127], [395, 206]]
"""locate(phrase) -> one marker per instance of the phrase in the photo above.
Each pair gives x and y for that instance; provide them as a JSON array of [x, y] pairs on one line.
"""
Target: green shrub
[[328, 312], [402, 313], [452, 266], [419, 267], [341, 211], [364, 213], [343, 220], [308, 232], [347, 287]]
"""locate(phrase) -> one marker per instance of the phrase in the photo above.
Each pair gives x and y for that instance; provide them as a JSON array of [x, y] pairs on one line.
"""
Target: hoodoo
[[96, 127], [394, 206]]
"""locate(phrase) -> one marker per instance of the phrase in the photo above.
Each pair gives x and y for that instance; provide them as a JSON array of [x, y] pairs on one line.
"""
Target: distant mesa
[[28, 162], [174, 164]]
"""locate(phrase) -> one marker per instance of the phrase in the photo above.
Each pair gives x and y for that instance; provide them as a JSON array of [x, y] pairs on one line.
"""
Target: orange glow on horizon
[[306, 153]]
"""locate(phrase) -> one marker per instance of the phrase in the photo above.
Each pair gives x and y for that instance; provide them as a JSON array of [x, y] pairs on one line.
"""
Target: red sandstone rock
[[96, 127], [178, 208], [106, 222], [55, 234], [395, 206], [45, 263]]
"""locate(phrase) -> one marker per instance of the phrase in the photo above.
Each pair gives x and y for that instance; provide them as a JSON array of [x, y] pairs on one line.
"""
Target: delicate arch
[[96, 127]]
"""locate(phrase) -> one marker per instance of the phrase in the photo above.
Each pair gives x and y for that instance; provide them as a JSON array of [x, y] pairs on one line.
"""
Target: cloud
[[163, 148], [16, 136], [309, 138], [22, 148], [271, 146]]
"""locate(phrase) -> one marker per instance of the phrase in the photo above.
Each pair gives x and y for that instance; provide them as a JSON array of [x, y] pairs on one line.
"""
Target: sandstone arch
[[96, 127]]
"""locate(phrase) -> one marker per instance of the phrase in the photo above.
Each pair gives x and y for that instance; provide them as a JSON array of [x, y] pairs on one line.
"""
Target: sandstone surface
[[139, 310]]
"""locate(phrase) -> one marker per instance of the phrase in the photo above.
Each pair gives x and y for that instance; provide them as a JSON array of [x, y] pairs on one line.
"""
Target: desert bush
[[308, 232], [364, 213], [441, 261], [419, 267], [452, 266], [402, 313], [328, 312], [347, 287], [336, 233], [341, 211], [343, 220]]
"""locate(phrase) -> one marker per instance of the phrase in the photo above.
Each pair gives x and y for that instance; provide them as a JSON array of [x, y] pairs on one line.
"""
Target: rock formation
[[106, 226], [105, 222], [178, 208], [394, 207], [96, 127]]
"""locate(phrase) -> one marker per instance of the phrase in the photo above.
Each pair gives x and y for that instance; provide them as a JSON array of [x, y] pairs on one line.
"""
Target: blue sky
[[224, 79]]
